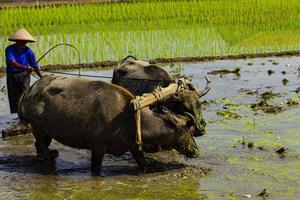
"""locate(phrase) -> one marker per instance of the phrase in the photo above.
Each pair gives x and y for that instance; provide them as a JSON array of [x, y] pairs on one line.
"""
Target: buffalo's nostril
[[199, 132]]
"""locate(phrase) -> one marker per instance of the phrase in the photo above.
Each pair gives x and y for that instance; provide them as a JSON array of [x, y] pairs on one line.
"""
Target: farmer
[[20, 63]]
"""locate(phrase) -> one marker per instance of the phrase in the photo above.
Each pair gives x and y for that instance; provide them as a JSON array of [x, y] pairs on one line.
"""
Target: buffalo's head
[[139, 76], [183, 140], [187, 102], [185, 143]]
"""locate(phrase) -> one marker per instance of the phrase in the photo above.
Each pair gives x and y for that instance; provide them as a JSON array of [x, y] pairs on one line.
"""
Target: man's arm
[[21, 67], [33, 63]]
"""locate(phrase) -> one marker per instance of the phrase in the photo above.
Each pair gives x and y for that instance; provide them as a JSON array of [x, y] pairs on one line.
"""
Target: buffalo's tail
[[21, 109]]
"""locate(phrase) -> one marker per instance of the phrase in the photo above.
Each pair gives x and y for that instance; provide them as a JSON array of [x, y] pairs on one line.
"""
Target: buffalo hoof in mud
[[46, 157], [143, 169], [96, 173], [199, 132]]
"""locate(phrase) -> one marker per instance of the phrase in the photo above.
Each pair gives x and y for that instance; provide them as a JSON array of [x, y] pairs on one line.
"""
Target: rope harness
[[147, 99]]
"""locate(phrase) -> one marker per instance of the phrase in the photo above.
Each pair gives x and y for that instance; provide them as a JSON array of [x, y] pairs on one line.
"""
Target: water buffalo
[[142, 77], [96, 115]]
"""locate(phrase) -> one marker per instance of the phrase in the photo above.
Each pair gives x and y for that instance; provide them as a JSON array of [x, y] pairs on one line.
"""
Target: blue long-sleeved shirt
[[24, 57]]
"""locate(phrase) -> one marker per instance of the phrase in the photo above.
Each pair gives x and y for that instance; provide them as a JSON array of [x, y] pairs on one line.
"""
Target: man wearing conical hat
[[20, 61]]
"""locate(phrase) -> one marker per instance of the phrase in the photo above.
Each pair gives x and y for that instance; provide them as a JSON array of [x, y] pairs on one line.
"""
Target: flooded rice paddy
[[251, 149]]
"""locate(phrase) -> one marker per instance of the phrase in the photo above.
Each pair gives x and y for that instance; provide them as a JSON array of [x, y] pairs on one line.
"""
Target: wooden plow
[[16, 129]]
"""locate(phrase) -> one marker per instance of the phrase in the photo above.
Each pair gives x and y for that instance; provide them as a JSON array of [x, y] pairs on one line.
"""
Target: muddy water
[[241, 152]]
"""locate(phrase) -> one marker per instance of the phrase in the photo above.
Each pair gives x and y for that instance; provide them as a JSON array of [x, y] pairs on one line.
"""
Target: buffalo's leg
[[42, 142], [96, 162], [139, 158]]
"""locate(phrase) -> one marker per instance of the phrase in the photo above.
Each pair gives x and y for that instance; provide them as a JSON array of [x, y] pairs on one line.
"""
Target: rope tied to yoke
[[159, 93], [147, 99]]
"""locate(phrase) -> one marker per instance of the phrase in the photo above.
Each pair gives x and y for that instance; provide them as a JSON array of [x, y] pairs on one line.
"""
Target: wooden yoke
[[149, 98]]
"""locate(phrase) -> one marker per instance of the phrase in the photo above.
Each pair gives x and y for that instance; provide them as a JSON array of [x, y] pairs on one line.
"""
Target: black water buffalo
[[96, 115], [141, 77]]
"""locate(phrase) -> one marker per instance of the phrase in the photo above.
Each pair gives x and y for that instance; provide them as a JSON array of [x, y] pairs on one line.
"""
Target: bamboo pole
[[149, 98], [139, 129]]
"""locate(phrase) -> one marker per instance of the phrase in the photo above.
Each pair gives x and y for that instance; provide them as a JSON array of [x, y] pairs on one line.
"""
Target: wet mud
[[255, 155]]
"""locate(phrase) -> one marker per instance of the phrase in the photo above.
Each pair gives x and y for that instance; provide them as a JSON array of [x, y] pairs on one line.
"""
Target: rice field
[[156, 29]]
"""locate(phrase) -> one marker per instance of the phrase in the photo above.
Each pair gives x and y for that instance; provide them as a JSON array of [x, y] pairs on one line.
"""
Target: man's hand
[[29, 69], [38, 72]]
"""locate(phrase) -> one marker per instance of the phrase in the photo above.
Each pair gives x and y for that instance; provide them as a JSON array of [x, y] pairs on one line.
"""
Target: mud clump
[[270, 72], [267, 107], [228, 115], [207, 103], [248, 91], [291, 102], [162, 165], [168, 164], [285, 81], [223, 72], [263, 194], [297, 90], [250, 145], [280, 150], [269, 95], [261, 148]]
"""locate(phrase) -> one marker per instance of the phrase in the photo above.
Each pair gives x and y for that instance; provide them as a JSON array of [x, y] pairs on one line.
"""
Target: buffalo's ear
[[177, 120], [191, 87], [122, 71]]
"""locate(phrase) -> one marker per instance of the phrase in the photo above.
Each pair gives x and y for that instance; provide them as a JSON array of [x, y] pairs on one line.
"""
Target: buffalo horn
[[124, 60], [206, 89], [190, 116], [130, 56]]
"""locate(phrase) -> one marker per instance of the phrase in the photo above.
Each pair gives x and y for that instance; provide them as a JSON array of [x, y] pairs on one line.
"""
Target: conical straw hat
[[23, 35]]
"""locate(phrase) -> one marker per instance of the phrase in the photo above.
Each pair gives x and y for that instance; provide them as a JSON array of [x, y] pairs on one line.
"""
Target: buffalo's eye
[[199, 104]]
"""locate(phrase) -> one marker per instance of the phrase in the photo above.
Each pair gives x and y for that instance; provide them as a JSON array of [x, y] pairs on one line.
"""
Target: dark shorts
[[16, 86]]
